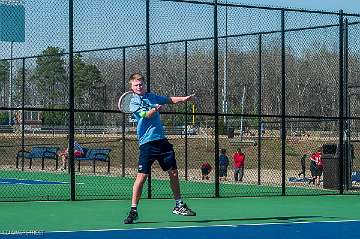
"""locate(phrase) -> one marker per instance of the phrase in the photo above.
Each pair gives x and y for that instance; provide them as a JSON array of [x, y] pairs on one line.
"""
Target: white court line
[[155, 228]]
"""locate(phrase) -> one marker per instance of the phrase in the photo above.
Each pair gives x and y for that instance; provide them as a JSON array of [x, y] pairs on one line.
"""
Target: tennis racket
[[126, 99]]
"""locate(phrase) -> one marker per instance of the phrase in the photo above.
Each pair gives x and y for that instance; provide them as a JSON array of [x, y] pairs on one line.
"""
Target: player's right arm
[[152, 111]]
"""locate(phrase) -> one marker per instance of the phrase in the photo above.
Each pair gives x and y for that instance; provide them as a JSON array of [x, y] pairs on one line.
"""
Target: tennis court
[[18, 185], [335, 216], [277, 82], [265, 217]]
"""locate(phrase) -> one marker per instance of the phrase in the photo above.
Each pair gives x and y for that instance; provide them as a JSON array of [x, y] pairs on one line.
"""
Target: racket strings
[[124, 104], [126, 100]]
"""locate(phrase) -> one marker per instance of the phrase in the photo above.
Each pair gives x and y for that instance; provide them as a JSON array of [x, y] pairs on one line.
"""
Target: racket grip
[[154, 105]]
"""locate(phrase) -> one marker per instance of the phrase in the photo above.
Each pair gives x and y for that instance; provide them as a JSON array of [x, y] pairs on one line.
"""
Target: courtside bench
[[94, 155], [38, 152]]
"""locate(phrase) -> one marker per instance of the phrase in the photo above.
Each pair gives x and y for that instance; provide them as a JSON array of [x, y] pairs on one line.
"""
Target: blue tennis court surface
[[318, 230], [14, 181]]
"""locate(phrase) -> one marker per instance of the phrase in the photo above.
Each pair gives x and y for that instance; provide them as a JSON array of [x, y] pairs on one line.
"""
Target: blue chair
[[355, 176], [97, 154], [38, 152]]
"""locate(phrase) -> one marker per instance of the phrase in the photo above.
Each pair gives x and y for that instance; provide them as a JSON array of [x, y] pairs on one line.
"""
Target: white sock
[[179, 202]]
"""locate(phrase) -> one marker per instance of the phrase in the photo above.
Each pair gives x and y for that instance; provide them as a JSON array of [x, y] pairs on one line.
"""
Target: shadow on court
[[284, 219]]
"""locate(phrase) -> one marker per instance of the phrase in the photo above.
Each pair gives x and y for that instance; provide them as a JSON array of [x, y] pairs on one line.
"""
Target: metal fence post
[[341, 100], [148, 72], [283, 104], [216, 98], [348, 147], [186, 111], [123, 127], [259, 111], [23, 114], [71, 102]]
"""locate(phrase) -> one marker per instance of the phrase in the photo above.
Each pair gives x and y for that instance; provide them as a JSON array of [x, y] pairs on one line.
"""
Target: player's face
[[137, 86]]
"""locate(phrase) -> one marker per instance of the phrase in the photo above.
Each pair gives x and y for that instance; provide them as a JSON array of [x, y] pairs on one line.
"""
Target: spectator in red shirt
[[317, 167], [239, 162]]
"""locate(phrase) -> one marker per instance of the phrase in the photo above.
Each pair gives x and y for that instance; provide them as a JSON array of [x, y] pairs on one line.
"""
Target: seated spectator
[[205, 171], [63, 154]]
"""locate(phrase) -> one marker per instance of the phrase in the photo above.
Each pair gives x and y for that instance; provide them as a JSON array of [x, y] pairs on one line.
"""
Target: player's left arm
[[166, 100], [179, 99]]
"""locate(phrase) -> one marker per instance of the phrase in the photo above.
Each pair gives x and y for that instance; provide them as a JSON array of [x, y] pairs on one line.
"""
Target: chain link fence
[[276, 83]]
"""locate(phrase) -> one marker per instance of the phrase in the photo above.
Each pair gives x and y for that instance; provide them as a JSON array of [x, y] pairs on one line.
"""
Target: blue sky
[[113, 23], [350, 6]]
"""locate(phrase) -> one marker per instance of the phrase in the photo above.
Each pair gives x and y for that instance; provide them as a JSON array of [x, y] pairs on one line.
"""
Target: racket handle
[[154, 105]]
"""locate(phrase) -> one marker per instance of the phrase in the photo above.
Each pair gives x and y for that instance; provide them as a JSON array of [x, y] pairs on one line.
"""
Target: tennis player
[[153, 145]]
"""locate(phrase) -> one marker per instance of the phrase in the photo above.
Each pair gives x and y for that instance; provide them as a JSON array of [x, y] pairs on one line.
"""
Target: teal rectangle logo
[[12, 23]]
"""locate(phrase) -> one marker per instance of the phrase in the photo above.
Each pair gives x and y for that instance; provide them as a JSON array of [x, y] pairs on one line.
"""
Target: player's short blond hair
[[136, 76]]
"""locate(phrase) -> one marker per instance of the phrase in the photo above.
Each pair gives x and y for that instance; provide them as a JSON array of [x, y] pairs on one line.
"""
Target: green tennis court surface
[[225, 218], [32, 185]]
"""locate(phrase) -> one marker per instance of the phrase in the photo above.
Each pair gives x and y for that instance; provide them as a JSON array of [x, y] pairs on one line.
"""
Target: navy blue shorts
[[222, 171], [160, 150]]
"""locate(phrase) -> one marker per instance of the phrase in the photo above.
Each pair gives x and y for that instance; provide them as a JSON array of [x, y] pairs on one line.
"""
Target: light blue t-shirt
[[148, 129]]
